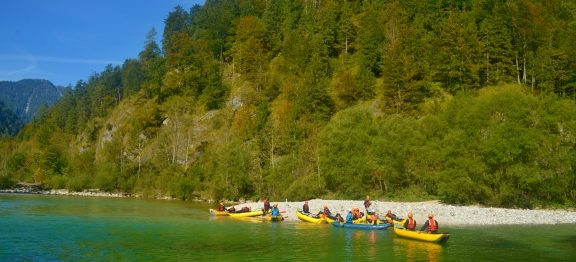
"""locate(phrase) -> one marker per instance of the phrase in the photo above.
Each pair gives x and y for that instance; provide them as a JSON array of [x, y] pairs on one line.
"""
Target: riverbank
[[63, 192], [443, 213]]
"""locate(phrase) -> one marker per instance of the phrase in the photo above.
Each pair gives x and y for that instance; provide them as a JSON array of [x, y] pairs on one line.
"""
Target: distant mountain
[[25, 97], [9, 122]]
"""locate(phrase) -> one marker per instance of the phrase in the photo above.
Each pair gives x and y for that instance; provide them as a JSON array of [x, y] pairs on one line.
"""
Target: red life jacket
[[221, 208], [432, 226], [411, 224]]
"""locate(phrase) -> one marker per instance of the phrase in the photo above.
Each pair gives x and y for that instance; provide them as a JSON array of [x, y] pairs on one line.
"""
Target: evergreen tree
[[496, 39], [152, 65], [178, 21]]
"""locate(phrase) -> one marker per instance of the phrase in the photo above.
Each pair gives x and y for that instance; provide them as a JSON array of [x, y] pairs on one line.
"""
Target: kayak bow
[[214, 212], [307, 218]]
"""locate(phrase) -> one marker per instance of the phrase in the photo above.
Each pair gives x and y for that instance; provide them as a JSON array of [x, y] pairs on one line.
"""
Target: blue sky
[[68, 40]]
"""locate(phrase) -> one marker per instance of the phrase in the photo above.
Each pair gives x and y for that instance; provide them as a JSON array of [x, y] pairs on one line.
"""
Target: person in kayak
[[221, 206], [326, 213], [349, 216], [390, 217], [305, 208], [367, 206], [356, 213], [232, 210], [275, 212], [431, 224], [266, 205], [410, 223]]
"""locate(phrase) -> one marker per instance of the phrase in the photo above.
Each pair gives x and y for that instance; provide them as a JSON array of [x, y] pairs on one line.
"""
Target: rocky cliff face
[[26, 97]]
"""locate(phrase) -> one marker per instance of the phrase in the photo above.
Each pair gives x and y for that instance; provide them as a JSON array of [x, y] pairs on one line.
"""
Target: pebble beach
[[443, 213]]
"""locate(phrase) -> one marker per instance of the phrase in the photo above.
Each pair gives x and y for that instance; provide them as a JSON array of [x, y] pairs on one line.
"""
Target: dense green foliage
[[468, 101]]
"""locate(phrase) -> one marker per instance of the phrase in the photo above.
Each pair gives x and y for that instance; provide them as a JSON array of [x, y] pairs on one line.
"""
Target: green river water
[[60, 228]]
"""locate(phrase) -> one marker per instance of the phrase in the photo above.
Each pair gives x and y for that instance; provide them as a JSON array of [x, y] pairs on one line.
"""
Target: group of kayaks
[[398, 226]]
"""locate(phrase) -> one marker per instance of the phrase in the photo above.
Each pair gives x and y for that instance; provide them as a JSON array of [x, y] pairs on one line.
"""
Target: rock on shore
[[444, 214]]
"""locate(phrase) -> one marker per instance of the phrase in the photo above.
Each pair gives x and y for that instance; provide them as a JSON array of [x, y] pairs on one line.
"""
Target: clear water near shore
[[64, 228]]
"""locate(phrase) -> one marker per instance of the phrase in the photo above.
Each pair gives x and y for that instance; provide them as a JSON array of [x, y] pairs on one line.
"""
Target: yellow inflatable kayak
[[307, 218], [422, 236], [273, 219], [247, 214], [215, 212], [362, 220]]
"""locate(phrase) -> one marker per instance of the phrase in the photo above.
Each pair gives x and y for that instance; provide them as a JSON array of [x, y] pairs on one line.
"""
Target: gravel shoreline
[[65, 192], [443, 213]]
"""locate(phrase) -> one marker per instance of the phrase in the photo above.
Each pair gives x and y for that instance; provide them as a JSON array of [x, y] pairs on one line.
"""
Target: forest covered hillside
[[465, 101]]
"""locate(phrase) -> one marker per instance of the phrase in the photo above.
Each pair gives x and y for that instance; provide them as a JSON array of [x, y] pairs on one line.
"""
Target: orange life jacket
[[432, 226], [411, 224]]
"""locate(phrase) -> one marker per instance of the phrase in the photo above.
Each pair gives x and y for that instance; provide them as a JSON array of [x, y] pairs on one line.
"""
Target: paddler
[[390, 217], [221, 207], [410, 223], [367, 204], [431, 224], [349, 216], [266, 205], [275, 211], [326, 213], [356, 213], [305, 208]]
